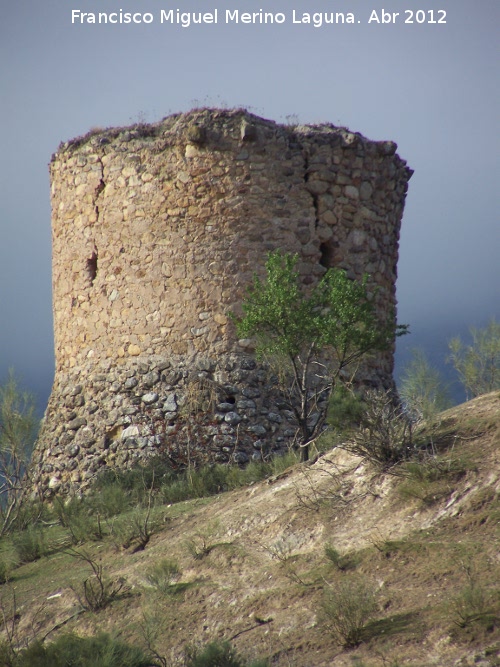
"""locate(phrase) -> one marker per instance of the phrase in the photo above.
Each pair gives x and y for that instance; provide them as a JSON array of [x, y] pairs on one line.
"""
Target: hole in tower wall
[[327, 254], [92, 267]]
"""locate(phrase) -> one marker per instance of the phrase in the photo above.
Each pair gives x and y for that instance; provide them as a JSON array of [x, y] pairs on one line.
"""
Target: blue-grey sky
[[431, 87]]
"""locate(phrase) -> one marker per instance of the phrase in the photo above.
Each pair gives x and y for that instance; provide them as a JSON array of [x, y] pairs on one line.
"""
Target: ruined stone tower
[[157, 231]]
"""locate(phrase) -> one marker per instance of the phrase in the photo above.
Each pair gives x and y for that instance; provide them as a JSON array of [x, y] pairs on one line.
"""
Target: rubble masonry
[[157, 231]]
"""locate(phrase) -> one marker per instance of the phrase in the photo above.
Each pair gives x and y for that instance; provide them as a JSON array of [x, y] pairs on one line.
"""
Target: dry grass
[[261, 584]]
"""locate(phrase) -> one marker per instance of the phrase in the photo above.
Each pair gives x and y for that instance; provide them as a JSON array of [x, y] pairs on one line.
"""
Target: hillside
[[254, 563]]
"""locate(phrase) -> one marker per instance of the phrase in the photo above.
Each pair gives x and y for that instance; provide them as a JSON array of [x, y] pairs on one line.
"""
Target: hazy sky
[[431, 87]]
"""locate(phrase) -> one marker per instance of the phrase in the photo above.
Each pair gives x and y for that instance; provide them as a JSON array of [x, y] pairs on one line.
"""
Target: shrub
[[343, 563], [115, 491], [421, 389], [133, 529], [255, 471], [5, 568], [469, 605], [281, 463], [478, 364], [8, 655], [206, 481], [194, 483], [217, 654], [429, 478], [344, 411], [210, 480], [200, 546], [161, 575], [96, 591], [18, 428], [175, 491], [384, 436], [433, 468], [99, 651], [332, 554], [30, 544], [30, 513], [137, 483], [347, 608], [76, 515], [111, 500]]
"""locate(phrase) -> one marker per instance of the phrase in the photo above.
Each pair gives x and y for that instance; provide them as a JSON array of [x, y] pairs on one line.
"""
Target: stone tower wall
[[157, 231]]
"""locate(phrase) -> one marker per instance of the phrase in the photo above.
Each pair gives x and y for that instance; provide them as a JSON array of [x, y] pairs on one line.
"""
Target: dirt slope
[[254, 566]]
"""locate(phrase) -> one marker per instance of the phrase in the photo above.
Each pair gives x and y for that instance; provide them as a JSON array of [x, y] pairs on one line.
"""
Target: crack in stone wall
[[314, 196], [175, 218]]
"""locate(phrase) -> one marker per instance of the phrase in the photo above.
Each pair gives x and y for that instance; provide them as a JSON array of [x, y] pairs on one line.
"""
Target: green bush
[[281, 463], [18, 428], [77, 516], [116, 491], [347, 607], [429, 478], [254, 472], [71, 650], [213, 479], [110, 501], [478, 364], [30, 513], [137, 482], [133, 529], [421, 389], [162, 575], [7, 654], [345, 411], [345, 562], [218, 654], [169, 486], [476, 605], [30, 544], [469, 605], [201, 545], [175, 491], [5, 568], [434, 468], [207, 481]]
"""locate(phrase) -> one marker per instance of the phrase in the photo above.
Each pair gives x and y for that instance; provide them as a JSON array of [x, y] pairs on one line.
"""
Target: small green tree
[[311, 337], [478, 364], [18, 427], [421, 388]]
